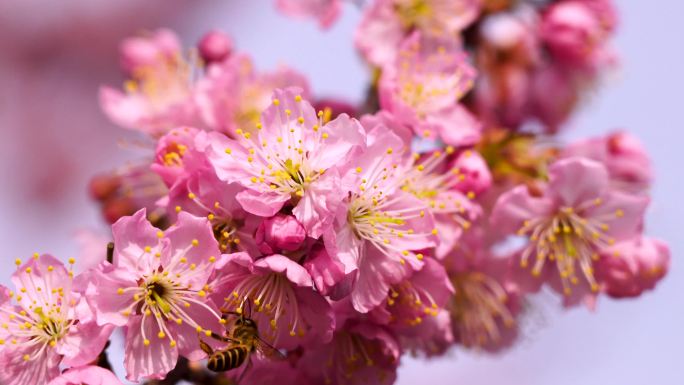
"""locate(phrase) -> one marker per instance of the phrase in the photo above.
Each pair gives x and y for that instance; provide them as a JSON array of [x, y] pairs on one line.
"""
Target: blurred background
[[53, 138]]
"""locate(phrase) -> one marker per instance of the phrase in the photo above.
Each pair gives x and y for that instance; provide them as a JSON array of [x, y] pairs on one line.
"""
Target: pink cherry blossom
[[487, 302], [292, 159], [278, 294], [232, 95], [386, 23], [215, 46], [176, 155], [568, 223], [379, 233], [359, 353], [422, 88], [413, 304], [47, 326], [325, 11], [428, 180], [279, 233], [159, 94], [624, 156], [86, 375], [631, 267], [156, 287]]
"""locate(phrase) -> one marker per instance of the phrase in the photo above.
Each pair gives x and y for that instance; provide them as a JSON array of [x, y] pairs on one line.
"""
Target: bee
[[243, 341]]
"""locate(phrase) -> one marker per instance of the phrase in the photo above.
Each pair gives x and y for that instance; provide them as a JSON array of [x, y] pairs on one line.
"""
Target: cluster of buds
[[346, 237]]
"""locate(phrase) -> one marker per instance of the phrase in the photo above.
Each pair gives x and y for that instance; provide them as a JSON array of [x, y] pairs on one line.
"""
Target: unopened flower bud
[[281, 232]]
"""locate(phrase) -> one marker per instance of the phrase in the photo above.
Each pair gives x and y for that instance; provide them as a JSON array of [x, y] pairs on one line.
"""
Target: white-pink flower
[[50, 324], [386, 23], [423, 85], [156, 288], [291, 159]]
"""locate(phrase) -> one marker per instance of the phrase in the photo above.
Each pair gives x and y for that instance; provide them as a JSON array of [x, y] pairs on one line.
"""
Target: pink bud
[[281, 232], [476, 176], [149, 51], [215, 46], [633, 266]]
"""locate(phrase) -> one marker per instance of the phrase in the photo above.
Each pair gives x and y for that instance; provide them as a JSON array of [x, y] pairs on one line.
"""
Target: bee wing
[[267, 350]]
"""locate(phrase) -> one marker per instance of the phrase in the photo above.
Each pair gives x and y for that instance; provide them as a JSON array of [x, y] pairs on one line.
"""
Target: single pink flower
[[86, 375], [624, 156], [428, 180], [156, 287], [50, 324], [487, 302], [359, 353], [325, 11], [278, 294], [423, 86], [215, 46], [292, 159], [386, 23], [633, 266], [233, 94], [157, 97], [380, 231], [176, 155], [413, 303], [568, 223], [279, 233]]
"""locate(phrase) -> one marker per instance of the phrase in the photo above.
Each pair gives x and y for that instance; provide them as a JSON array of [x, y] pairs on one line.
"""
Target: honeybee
[[243, 341]]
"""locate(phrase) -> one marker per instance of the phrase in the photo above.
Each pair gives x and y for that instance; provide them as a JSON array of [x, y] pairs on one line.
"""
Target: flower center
[[478, 309], [568, 240], [413, 13]]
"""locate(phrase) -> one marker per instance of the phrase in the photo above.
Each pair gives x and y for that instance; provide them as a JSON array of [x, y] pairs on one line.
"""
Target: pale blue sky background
[[624, 342]]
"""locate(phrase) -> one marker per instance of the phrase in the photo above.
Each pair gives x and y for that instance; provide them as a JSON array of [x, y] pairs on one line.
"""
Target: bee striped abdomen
[[228, 359]]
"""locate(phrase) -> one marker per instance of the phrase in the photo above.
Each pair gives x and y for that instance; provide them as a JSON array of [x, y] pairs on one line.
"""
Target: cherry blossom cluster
[[421, 219]]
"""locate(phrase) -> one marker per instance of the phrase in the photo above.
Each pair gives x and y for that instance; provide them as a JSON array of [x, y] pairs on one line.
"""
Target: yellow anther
[[212, 259], [389, 150], [178, 209], [148, 249], [276, 102], [358, 170], [202, 293], [419, 256], [29, 270], [26, 357], [119, 291], [161, 335], [72, 261], [172, 343], [195, 242], [192, 196], [229, 151], [17, 261], [146, 342]]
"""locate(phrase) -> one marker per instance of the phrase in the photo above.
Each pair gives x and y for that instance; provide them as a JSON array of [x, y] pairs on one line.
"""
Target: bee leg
[[205, 347], [222, 338]]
